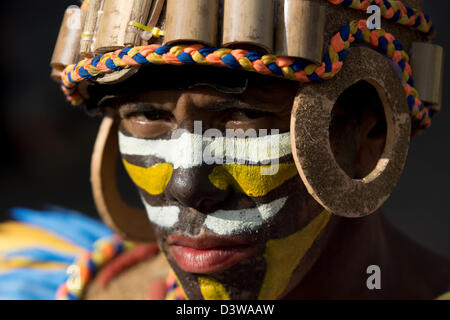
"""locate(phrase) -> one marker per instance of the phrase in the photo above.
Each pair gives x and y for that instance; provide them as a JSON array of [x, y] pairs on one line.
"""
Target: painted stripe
[[222, 222], [190, 150], [212, 289], [249, 180], [154, 180], [225, 223], [165, 217], [284, 255]]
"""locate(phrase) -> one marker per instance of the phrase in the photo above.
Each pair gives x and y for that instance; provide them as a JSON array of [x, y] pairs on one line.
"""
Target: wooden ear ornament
[[130, 223], [310, 127]]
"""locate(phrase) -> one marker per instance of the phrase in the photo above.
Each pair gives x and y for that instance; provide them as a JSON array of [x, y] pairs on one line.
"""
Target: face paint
[[226, 223], [248, 179], [153, 180], [284, 255], [187, 151], [265, 208], [244, 178], [222, 222], [211, 289], [164, 217]]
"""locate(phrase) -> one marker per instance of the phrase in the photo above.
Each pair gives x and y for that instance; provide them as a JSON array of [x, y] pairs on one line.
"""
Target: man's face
[[242, 225]]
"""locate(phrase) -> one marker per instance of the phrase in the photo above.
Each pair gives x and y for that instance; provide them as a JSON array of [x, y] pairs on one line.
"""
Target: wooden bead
[[68, 43], [90, 27], [249, 23], [113, 25], [139, 14], [300, 29], [192, 21], [427, 64]]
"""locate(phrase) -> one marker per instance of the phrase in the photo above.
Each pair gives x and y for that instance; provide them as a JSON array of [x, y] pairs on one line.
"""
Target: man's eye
[[148, 116]]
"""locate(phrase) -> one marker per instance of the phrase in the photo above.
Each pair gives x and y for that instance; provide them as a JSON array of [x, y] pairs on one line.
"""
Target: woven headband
[[356, 32]]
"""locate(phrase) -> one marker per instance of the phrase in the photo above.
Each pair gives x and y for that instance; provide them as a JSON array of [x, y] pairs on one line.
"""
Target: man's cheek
[[153, 180], [284, 255]]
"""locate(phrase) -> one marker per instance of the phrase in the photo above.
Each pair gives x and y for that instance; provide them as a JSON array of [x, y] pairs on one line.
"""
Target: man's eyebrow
[[135, 107], [228, 104]]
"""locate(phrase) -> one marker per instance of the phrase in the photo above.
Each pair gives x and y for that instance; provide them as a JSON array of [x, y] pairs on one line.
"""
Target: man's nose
[[191, 188]]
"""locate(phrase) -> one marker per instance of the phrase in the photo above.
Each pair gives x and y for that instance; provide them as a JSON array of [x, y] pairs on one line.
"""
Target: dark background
[[46, 144]]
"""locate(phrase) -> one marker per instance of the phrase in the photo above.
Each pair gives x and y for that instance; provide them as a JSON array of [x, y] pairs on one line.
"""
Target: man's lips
[[206, 255]]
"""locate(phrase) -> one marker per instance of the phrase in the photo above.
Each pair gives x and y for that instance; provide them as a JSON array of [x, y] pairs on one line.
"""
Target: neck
[[341, 270], [408, 271]]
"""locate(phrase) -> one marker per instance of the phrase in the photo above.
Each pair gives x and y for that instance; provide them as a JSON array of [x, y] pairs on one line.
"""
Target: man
[[255, 187]]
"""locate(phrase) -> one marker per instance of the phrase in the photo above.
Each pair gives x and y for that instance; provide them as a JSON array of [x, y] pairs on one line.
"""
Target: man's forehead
[[177, 78]]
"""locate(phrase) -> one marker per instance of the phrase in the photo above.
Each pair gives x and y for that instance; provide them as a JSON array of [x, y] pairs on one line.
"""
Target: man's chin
[[239, 281]]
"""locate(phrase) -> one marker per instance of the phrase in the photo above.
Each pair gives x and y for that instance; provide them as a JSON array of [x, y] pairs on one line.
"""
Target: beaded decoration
[[173, 289], [90, 262], [111, 256], [268, 64]]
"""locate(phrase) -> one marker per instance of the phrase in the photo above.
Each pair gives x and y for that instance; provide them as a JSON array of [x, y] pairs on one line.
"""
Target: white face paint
[[226, 223], [221, 222], [164, 217], [187, 151]]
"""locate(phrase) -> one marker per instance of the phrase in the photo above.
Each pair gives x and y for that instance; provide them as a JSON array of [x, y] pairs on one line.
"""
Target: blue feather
[[30, 284], [41, 255], [72, 226]]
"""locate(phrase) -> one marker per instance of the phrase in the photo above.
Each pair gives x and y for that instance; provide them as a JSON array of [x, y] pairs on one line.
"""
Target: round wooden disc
[[310, 128]]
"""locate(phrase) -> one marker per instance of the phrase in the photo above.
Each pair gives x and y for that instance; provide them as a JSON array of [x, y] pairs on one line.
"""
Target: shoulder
[[418, 269], [125, 279]]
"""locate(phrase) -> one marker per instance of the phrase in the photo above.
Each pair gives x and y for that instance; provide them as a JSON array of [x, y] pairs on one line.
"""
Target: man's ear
[[371, 140], [358, 130]]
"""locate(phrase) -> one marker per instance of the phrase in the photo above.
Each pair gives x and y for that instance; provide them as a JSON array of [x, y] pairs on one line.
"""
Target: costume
[[325, 45]]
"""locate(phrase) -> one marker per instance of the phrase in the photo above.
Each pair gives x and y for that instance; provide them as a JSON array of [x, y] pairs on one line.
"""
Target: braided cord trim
[[395, 11], [267, 64]]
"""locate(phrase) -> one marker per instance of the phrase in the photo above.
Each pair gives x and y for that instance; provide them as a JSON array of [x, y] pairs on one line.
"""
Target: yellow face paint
[[154, 180], [283, 256], [249, 180], [212, 289]]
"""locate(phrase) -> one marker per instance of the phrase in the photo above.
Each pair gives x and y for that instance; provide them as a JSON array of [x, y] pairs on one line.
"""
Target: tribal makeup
[[255, 226], [241, 173], [230, 212]]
